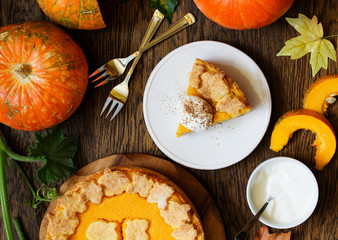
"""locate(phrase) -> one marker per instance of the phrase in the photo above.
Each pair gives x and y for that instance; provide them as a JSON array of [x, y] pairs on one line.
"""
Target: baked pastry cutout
[[124, 203], [210, 89]]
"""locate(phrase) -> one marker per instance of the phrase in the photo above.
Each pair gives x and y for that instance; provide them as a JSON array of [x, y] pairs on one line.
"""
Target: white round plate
[[223, 144]]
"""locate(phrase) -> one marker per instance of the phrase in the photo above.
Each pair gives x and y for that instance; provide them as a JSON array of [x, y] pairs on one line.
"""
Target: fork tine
[[111, 107], [109, 99], [104, 74], [118, 109], [104, 82], [97, 71]]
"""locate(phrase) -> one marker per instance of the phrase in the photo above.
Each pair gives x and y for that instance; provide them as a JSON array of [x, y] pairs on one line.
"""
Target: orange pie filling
[[123, 207], [124, 204], [221, 92]]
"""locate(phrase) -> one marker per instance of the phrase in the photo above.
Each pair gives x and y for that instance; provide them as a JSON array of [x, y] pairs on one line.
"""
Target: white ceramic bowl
[[279, 163]]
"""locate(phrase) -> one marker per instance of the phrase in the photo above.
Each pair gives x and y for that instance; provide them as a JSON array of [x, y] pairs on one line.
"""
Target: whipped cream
[[195, 113]]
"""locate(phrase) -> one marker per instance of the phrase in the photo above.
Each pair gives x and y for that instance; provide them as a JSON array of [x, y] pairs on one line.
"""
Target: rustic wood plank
[[126, 24]]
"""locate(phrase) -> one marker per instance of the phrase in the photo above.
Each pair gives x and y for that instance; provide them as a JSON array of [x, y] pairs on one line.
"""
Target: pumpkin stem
[[24, 70]]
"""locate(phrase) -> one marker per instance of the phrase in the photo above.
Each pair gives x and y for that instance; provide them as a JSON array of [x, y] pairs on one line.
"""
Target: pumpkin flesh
[[320, 91], [43, 75], [294, 120]]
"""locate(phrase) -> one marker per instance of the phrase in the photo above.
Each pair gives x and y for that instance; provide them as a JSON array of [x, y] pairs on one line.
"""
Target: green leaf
[[56, 152], [310, 41], [166, 7]]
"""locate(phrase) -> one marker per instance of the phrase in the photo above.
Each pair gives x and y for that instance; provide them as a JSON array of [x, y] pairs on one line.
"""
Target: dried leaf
[[263, 234], [310, 41], [307, 26]]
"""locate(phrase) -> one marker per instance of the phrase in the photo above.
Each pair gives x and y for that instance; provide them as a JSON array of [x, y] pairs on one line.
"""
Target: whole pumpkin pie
[[124, 203], [212, 97]]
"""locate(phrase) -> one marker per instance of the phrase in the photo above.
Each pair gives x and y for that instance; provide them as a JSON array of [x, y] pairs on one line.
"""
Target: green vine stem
[[43, 194], [18, 157], [9, 153], [3, 197], [4, 153], [18, 228], [25, 178]]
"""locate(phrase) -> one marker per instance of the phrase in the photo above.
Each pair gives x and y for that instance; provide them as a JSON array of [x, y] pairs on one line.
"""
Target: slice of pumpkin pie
[[124, 203], [212, 97]]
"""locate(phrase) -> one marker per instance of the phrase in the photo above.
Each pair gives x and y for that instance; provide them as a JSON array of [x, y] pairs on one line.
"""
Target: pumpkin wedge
[[309, 120], [321, 93], [76, 14]]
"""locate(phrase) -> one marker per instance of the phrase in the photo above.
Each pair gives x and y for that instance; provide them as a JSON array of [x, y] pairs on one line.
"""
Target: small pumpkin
[[78, 14], [322, 93], [297, 119], [243, 14], [43, 75]]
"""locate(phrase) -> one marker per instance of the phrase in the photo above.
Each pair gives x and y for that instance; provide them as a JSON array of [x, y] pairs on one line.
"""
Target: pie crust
[[127, 203], [220, 91]]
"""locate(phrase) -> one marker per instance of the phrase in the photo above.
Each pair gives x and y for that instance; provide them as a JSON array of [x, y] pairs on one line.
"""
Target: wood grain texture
[[205, 205], [126, 24]]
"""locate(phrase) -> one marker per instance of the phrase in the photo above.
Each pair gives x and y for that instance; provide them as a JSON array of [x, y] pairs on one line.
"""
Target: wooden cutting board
[[205, 205]]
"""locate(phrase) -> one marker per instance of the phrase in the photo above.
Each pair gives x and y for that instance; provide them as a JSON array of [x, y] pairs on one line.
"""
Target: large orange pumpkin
[[243, 14], [43, 75], [78, 14]]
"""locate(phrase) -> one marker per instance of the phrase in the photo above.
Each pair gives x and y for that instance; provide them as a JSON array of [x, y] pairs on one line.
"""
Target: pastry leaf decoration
[[310, 40]]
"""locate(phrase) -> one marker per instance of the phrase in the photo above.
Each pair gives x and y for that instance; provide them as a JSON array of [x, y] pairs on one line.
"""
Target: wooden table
[[288, 80]]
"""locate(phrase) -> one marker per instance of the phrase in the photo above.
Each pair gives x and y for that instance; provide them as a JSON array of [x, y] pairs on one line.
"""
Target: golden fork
[[120, 93], [116, 67]]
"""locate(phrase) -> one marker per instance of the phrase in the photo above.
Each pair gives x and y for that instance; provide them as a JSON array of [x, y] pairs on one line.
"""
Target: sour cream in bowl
[[292, 186]]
